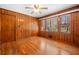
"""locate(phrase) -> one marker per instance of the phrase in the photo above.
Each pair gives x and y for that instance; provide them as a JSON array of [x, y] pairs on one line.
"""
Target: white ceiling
[[52, 8]]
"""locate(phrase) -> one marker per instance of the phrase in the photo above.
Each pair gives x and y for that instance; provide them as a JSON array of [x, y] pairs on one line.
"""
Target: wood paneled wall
[[0, 25], [75, 18], [15, 26], [7, 28], [26, 26], [0, 31], [69, 38]]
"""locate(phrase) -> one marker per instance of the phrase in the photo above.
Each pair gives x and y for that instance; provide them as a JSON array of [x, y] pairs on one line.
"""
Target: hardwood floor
[[37, 46]]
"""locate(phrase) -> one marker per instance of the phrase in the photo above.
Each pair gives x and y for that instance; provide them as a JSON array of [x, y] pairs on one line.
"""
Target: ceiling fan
[[36, 8]]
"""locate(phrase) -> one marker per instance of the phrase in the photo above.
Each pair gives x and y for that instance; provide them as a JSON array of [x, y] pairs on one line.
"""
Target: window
[[54, 24], [47, 25], [50, 24], [64, 23]]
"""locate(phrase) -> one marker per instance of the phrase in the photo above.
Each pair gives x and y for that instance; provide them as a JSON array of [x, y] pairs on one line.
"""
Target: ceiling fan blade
[[44, 8], [28, 7], [36, 6], [32, 12]]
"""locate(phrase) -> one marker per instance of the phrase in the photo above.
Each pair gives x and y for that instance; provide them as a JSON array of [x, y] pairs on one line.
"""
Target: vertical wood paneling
[[73, 17], [0, 26], [0, 31], [7, 28], [76, 27], [16, 26], [69, 38], [25, 26]]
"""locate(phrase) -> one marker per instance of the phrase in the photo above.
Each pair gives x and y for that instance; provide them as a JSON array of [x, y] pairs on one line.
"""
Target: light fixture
[[37, 8]]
